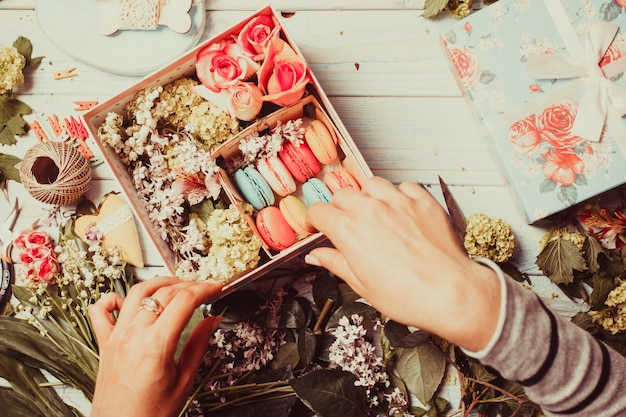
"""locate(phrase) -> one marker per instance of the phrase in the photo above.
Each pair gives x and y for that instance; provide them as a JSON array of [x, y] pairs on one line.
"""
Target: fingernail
[[312, 260]]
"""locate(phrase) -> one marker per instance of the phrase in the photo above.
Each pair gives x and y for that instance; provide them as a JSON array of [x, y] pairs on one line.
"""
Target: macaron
[[321, 142], [274, 229], [277, 175], [253, 187], [340, 178], [294, 211], [314, 190], [300, 161]]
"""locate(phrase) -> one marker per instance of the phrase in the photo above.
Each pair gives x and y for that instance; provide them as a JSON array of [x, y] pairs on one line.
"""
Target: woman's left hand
[[138, 374]]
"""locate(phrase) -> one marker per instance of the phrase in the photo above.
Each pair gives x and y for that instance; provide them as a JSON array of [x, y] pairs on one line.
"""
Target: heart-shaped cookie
[[116, 224]]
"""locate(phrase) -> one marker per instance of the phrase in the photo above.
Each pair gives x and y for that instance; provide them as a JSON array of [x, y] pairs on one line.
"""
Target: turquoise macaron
[[253, 187], [315, 190]]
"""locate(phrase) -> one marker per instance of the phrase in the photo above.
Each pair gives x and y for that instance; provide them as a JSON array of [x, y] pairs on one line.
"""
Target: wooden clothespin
[[83, 134], [85, 105], [54, 124], [70, 128], [66, 73], [39, 132]]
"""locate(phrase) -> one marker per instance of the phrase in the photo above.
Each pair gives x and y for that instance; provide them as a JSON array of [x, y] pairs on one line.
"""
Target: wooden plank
[[346, 55], [253, 5]]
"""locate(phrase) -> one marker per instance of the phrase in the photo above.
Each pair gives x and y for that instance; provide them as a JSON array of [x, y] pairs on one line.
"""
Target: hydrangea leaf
[[559, 259], [25, 47], [8, 169], [433, 7], [12, 122], [422, 369], [331, 393]]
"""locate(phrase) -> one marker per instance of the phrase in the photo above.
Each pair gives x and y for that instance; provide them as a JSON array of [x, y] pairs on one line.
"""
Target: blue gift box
[[544, 79]]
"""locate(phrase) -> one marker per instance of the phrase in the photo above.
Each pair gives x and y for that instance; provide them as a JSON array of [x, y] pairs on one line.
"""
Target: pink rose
[[524, 136], [284, 75], [256, 34], [31, 239], [47, 270], [562, 166], [556, 121], [244, 101], [221, 65], [611, 54], [467, 64], [39, 252]]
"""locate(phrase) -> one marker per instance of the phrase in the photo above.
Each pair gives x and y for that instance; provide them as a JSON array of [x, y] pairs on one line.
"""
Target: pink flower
[[524, 136], [562, 166], [535, 88], [611, 54], [256, 34], [222, 65], [244, 101], [284, 75], [556, 122], [47, 269], [31, 239], [467, 64], [93, 235], [195, 188], [468, 27]]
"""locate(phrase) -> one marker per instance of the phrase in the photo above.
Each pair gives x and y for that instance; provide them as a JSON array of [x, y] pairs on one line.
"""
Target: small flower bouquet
[[174, 140], [47, 328]]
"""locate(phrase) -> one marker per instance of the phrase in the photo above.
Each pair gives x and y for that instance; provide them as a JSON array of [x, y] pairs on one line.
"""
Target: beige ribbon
[[603, 101]]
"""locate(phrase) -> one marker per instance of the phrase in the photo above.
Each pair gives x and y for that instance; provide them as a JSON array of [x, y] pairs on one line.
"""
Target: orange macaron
[[340, 178], [274, 229]]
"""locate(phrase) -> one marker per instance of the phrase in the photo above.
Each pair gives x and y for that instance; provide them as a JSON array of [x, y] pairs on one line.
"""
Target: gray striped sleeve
[[562, 367]]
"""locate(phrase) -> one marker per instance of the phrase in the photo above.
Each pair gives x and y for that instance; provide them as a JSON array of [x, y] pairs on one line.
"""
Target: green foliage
[[559, 259], [12, 122]]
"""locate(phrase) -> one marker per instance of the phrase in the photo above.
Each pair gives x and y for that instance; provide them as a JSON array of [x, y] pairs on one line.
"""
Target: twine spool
[[55, 173]]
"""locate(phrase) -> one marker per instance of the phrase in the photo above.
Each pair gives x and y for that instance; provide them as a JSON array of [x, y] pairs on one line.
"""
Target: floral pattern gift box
[[174, 139], [545, 81]]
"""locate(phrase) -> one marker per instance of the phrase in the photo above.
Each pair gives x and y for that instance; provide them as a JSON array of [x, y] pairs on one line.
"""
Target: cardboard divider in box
[[185, 66], [307, 108]]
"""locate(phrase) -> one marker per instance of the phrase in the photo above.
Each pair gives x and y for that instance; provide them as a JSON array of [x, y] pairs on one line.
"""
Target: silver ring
[[151, 304]]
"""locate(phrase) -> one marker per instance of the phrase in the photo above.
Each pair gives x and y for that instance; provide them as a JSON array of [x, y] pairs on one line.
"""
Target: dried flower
[[489, 238], [11, 65], [613, 317], [562, 233]]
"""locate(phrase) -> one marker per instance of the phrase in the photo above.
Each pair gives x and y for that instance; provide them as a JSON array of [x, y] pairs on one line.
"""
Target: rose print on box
[[544, 143]]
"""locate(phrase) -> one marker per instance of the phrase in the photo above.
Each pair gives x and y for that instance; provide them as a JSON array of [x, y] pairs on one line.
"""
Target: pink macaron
[[300, 161], [321, 142], [274, 229], [277, 175], [340, 178]]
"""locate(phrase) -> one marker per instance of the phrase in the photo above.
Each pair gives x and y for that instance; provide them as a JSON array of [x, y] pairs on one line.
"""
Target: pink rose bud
[[245, 101], [256, 34], [221, 65], [37, 239]]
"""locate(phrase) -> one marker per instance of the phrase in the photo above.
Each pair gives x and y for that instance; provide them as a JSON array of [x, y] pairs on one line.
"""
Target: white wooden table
[[383, 68]]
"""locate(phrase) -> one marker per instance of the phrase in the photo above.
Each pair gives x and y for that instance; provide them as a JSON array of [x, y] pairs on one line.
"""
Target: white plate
[[72, 25]]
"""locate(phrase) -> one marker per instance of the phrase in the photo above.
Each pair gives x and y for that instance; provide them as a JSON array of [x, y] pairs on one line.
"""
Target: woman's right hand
[[396, 248]]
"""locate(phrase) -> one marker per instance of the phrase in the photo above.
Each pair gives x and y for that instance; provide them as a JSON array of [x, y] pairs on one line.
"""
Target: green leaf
[[28, 390], [422, 369], [287, 355], [204, 209], [25, 47], [11, 121], [8, 167], [364, 310], [602, 286], [307, 345], [433, 7], [400, 336], [325, 288], [21, 342], [295, 315], [559, 259], [196, 318], [331, 393]]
